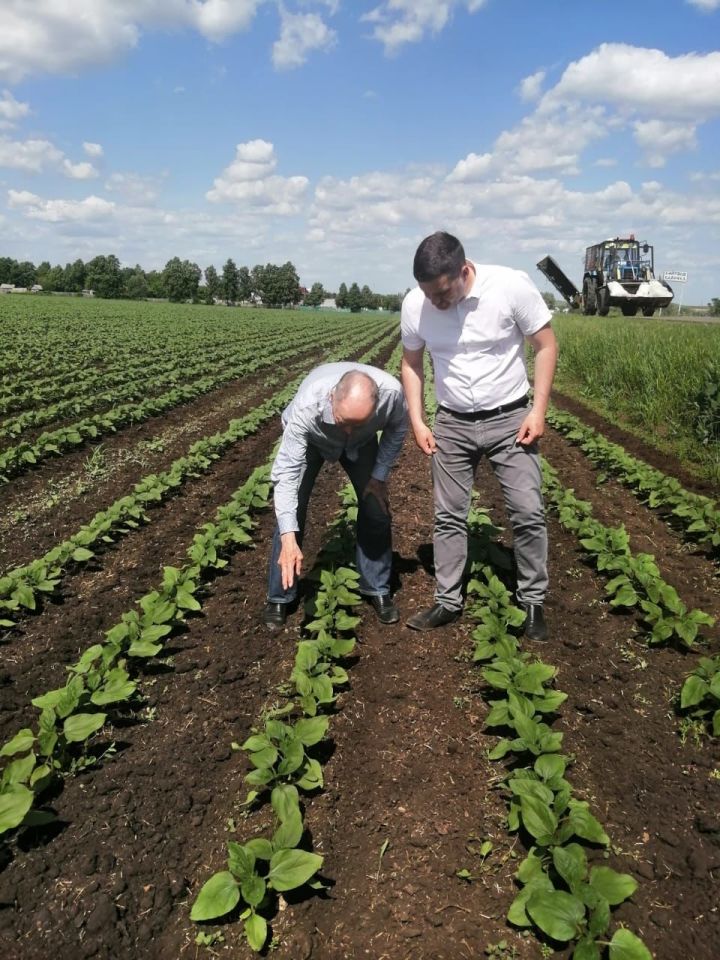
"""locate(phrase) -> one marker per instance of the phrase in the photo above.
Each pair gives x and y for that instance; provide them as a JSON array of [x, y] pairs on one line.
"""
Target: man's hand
[[290, 559], [424, 439], [531, 429], [379, 490]]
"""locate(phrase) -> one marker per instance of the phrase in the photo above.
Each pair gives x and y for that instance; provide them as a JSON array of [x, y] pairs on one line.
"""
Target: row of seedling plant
[[131, 389], [15, 460], [699, 516], [635, 581], [103, 678], [280, 752], [71, 715], [563, 894], [21, 587]]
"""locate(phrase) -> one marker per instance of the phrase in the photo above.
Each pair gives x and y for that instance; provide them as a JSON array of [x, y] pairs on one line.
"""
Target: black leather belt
[[486, 414]]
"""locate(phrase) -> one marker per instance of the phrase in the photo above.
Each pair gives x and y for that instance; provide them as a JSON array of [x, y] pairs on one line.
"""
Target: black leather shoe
[[385, 609], [274, 615], [535, 626], [436, 616]]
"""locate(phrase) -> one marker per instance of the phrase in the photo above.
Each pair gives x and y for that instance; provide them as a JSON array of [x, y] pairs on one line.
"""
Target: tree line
[[272, 285]]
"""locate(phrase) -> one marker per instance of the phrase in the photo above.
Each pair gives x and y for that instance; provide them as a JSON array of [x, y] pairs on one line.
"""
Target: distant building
[[36, 288], [7, 287], [328, 304]]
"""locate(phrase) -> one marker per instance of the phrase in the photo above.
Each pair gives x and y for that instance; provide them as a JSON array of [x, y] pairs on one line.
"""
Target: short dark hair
[[438, 255]]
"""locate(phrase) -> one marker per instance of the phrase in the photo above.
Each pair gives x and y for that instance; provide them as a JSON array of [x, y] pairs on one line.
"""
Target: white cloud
[[249, 181], [705, 5], [31, 155], [473, 167], [11, 110], [397, 22], [641, 79], [134, 187], [62, 36], [300, 34], [94, 150], [55, 211], [217, 19], [79, 171], [658, 138], [531, 87]]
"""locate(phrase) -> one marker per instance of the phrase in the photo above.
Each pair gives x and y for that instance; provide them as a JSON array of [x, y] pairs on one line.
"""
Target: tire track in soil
[[139, 831]]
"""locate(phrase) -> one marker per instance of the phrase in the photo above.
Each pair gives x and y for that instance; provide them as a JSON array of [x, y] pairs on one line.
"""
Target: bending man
[[474, 319], [336, 415]]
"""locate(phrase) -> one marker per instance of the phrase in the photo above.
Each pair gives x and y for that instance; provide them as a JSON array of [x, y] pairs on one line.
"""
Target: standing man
[[336, 415], [474, 320]]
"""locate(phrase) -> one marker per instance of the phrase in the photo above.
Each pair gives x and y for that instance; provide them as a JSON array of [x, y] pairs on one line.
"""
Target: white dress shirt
[[477, 346]]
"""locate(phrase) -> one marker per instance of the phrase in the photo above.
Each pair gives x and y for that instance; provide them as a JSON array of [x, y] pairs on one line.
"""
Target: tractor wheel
[[603, 301], [648, 311], [589, 297], [629, 310]]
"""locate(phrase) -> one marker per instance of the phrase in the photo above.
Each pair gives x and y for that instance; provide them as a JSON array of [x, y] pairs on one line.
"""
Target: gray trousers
[[460, 446]]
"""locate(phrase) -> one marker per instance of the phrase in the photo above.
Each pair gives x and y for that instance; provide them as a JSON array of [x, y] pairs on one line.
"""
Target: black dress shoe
[[436, 616], [535, 626], [274, 615], [385, 609]]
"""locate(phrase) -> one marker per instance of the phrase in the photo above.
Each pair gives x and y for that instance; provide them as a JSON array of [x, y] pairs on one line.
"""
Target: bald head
[[354, 399]]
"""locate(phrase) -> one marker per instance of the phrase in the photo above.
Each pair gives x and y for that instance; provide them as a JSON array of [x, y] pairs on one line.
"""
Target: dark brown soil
[[406, 771]]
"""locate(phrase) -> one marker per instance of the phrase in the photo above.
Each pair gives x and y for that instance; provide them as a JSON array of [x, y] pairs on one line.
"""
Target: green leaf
[[311, 730], [256, 932], [626, 946], [285, 801], [20, 743], [24, 596], [538, 819], [82, 725], [219, 895], [292, 868], [613, 886], [693, 691], [586, 950], [558, 914], [571, 863], [550, 765], [241, 860], [81, 555], [253, 890], [517, 913], [289, 833], [260, 848], [15, 801], [140, 648], [585, 825], [117, 687], [186, 601]]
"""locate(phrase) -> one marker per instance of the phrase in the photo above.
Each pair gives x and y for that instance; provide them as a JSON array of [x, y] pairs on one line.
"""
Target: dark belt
[[486, 414]]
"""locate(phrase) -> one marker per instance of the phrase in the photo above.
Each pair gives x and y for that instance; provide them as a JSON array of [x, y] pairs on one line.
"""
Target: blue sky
[[337, 134]]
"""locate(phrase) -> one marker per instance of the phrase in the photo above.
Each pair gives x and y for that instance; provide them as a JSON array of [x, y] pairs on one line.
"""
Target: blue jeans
[[374, 543]]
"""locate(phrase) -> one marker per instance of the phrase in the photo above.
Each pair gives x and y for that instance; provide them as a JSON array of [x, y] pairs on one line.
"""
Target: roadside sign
[[676, 276]]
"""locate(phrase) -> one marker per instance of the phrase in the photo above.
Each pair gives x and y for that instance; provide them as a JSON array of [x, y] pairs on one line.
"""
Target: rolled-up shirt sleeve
[[287, 472], [392, 437]]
